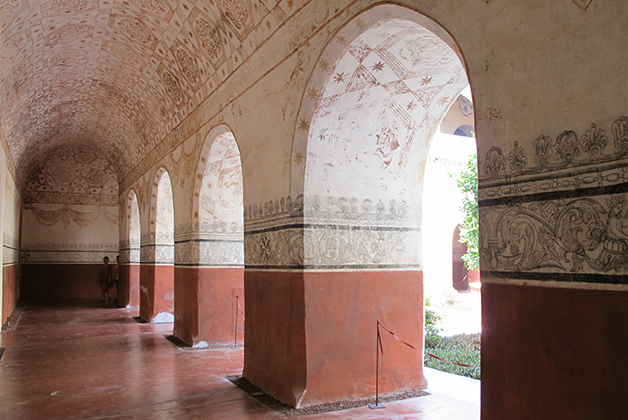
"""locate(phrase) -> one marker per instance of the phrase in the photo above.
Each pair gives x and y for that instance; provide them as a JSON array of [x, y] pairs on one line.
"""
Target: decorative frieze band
[[9, 254], [332, 233], [568, 162], [72, 256], [130, 255], [210, 250], [560, 215], [157, 254], [584, 235]]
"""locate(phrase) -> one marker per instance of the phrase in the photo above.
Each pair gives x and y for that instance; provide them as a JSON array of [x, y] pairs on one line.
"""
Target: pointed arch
[[210, 261], [134, 228], [218, 202], [157, 291], [372, 105], [162, 218]]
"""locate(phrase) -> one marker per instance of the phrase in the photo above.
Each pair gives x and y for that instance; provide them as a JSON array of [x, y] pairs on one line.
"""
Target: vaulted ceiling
[[115, 76]]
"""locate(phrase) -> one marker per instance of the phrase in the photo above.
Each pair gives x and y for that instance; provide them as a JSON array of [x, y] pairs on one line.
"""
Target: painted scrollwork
[[583, 235], [331, 232]]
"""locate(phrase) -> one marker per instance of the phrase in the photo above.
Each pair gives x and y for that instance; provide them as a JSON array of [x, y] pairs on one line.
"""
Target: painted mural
[[70, 212], [158, 246], [365, 152], [216, 236], [143, 68], [567, 212]]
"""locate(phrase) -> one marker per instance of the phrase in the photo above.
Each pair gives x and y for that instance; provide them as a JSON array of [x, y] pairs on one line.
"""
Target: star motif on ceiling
[[312, 93], [359, 23], [298, 157], [290, 4], [378, 66], [411, 106], [339, 77], [443, 100], [303, 124], [426, 81], [324, 65], [342, 41]]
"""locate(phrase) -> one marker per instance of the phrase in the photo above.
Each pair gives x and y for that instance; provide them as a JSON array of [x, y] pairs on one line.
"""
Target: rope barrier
[[453, 363], [416, 349], [240, 307], [235, 332]]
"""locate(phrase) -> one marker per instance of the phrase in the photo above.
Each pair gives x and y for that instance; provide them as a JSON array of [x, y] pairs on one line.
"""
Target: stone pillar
[[315, 292], [157, 283], [208, 277], [129, 278]]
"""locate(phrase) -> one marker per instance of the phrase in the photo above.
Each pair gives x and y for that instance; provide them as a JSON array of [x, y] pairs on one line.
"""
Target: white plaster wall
[[69, 233]]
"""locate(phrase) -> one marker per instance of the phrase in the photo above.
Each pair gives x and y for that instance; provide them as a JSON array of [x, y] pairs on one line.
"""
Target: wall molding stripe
[[553, 284], [555, 195]]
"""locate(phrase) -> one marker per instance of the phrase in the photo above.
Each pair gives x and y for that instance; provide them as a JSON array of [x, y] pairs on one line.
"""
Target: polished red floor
[[81, 360]]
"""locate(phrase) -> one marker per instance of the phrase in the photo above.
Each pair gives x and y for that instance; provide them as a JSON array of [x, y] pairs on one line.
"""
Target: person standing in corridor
[[105, 279]]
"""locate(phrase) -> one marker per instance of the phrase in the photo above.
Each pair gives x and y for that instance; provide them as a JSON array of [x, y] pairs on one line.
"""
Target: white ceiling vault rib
[[113, 75]]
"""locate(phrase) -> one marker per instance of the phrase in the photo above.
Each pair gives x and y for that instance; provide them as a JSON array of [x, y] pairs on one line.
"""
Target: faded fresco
[[70, 212], [567, 211], [130, 247], [216, 237], [143, 68], [365, 154], [158, 247]]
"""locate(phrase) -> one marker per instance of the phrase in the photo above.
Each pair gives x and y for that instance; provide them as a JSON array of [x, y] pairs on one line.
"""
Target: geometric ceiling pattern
[[117, 76], [72, 176], [378, 110]]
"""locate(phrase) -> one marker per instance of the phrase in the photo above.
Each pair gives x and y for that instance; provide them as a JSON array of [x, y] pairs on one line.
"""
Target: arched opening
[[371, 108], [452, 310], [213, 274], [129, 293], [157, 275]]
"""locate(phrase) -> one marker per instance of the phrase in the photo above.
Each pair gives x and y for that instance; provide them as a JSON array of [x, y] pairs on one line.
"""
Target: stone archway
[[157, 274], [129, 293], [371, 107], [210, 263]]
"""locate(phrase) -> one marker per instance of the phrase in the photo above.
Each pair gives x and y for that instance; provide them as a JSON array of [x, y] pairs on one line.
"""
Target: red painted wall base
[[205, 304], [311, 336], [156, 291], [9, 291], [129, 293], [54, 281], [550, 353]]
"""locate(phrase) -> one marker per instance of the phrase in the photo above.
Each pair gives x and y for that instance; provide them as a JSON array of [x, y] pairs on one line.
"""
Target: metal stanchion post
[[377, 404], [235, 331]]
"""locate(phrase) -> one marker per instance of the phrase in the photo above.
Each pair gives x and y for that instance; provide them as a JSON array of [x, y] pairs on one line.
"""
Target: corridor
[[80, 360]]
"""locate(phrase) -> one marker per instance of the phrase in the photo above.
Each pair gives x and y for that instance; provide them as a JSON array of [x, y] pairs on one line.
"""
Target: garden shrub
[[460, 348]]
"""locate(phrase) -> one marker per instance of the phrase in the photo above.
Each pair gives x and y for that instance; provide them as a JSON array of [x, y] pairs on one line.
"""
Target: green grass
[[461, 348]]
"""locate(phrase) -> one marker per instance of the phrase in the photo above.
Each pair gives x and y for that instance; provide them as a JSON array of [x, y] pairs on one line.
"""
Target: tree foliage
[[467, 182]]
